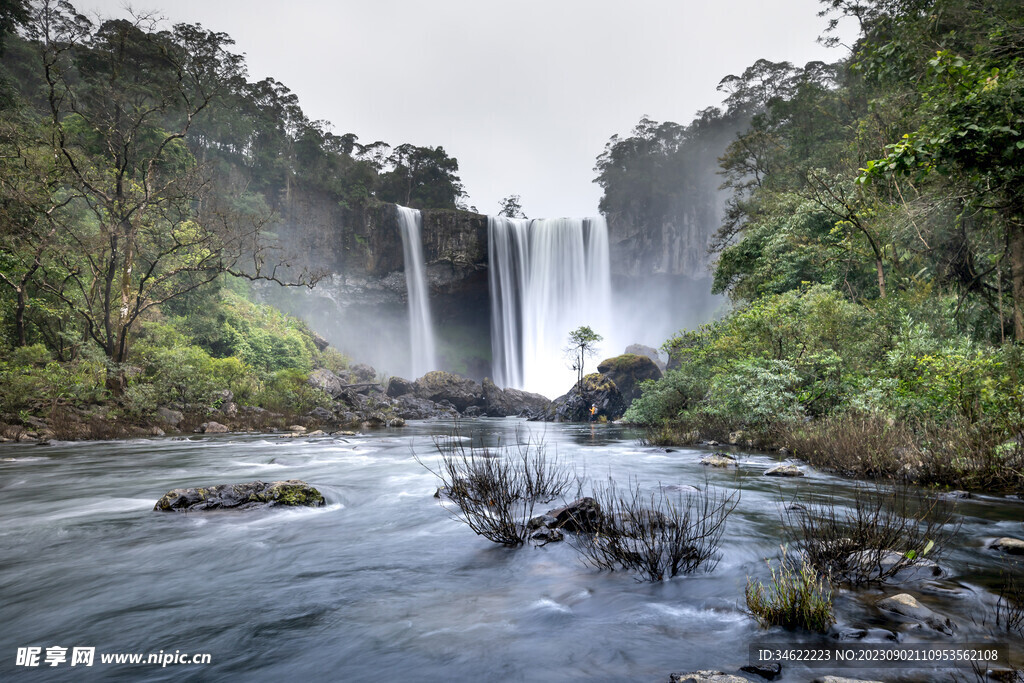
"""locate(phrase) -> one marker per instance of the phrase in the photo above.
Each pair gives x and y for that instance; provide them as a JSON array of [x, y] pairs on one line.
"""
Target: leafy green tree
[[583, 343], [140, 228], [512, 207], [421, 178]]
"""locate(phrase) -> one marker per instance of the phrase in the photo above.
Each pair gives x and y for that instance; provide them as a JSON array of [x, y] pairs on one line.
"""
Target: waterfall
[[547, 277], [421, 329]]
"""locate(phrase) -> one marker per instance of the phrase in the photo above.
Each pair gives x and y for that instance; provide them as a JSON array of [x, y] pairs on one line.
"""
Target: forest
[[873, 250], [872, 247], [142, 176]]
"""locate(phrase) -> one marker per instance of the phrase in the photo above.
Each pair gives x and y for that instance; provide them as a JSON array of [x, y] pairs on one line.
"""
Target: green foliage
[[30, 380], [668, 397], [288, 391], [796, 597], [583, 343], [260, 335]]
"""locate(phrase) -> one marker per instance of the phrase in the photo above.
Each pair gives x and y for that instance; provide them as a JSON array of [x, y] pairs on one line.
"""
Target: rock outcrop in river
[[254, 494]]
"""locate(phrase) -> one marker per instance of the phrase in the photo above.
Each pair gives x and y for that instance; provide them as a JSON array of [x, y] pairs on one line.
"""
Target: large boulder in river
[[627, 371], [247, 496], [500, 402], [574, 406], [438, 386], [410, 407], [650, 352], [397, 386], [327, 382]]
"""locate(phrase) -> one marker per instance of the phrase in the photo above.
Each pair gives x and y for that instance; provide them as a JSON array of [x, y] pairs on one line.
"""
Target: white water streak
[[421, 328], [547, 277]]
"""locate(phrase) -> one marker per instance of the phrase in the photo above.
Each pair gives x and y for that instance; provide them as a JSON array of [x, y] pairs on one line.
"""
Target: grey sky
[[525, 94]]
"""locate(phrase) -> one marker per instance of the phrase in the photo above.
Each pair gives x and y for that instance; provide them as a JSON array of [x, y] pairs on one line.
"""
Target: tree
[[971, 132], [140, 226], [512, 207], [421, 178], [583, 343]]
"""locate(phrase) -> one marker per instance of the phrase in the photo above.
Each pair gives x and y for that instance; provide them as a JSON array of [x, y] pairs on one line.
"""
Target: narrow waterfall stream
[[547, 277], [421, 328]]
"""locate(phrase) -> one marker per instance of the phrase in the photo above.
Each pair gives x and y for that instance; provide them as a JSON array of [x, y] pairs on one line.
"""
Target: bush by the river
[[214, 344], [880, 390]]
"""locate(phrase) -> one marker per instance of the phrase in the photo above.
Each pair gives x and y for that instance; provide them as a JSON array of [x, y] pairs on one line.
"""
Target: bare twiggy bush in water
[[881, 533], [496, 491], [659, 535], [1009, 609]]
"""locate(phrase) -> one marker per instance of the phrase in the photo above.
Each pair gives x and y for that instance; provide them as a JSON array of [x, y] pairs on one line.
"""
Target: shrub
[[883, 532], [288, 391], [31, 380], [657, 536], [666, 398], [796, 597], [870, 445], [756, 393], [496, 492]]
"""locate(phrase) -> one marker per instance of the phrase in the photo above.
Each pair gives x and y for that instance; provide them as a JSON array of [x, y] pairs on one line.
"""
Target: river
[[382, 584]]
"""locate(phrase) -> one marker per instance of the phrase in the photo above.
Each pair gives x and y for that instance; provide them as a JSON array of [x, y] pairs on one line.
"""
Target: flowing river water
[[382, 584]]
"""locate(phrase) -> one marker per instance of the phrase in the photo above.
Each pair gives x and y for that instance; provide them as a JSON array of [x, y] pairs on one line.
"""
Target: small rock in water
[[784, 470], [851, 634], [1007, 544], [842, 679], [544, 535], [719, 460], [706, 677], [956, 495], [679, 488], [769, 671], [212, 427], [907, 606], [246, 496], [881, 563], [580, 515], [297, 429]]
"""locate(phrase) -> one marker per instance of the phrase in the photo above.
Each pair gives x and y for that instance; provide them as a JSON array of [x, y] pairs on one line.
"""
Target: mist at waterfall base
[[548, 277]]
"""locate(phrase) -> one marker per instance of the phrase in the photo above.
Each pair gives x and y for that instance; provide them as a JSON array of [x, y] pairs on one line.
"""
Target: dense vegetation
[[873, 245], [141, 174]]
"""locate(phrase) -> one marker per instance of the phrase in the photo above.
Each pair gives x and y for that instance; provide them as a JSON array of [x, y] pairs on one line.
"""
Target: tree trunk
[[881, 278], [1017, 278], [19, 317]]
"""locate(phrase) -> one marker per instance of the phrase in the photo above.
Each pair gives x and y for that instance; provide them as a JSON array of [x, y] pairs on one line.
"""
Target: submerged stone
[[254, 494], [719, 460], [769, 671], [1007, 544], [784, 470], [907, 606], [707, 677]]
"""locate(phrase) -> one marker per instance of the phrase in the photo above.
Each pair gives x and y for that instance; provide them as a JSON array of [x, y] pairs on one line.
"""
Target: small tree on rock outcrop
[[583, 343]]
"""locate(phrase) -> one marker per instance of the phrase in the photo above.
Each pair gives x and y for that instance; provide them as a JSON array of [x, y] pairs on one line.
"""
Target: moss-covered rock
[[246, 496], [438, 386], [628, 371], [598, 390]]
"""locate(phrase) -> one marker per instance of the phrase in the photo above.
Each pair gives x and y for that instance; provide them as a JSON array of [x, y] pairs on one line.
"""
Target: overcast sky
[[524, 93]]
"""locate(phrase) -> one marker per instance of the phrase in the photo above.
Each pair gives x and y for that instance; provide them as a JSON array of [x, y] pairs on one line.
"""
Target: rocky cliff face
[[361, 248], [360, 306], [675, 245]]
